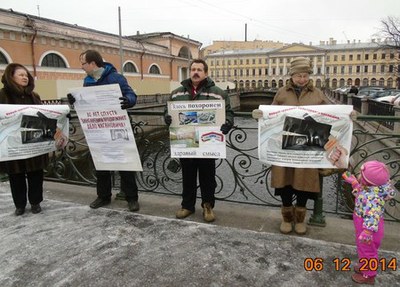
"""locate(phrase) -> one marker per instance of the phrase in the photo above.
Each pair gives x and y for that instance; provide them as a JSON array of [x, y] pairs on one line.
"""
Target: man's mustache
[[196, 76]]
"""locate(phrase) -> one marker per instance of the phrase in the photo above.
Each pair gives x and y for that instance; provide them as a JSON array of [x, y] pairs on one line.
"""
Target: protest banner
[[195, 129], [107, 128], [305, 136], [30, 130]]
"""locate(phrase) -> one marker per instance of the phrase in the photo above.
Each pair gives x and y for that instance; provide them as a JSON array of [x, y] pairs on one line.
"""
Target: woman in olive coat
[[25, 175], [304, 183]]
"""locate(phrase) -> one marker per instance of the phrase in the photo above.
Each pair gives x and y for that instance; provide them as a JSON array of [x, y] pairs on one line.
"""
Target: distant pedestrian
[[25, 175], [353, 90], [371, 190]]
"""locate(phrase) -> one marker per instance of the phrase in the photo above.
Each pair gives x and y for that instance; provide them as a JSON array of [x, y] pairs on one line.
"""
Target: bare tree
[[390, 31]]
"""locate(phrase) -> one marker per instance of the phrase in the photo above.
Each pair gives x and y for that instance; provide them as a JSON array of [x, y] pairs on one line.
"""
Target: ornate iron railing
[[241, 177]]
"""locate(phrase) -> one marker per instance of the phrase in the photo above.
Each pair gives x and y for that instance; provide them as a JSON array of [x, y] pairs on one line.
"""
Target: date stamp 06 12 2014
[[344, 264]]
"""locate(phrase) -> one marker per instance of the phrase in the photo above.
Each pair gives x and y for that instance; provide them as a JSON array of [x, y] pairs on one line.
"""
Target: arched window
[[381, 82], [341, 82], [318, 83], [273, 83], [390, 83], [280, 83], [130, 68], [3, 59], [265, 83], [365, 82], [53, 60], [349, 82], [373, 82], [184, 52], [155, 70], [334, 83]]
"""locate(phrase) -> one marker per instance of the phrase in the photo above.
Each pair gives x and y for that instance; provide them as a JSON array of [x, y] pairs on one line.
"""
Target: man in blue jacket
[[102, 73]]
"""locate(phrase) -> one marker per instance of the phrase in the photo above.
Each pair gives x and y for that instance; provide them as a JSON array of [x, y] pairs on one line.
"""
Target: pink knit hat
[[374, 173]]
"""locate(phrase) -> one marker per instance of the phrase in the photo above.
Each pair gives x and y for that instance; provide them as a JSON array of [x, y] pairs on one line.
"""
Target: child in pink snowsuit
[[371, 191]]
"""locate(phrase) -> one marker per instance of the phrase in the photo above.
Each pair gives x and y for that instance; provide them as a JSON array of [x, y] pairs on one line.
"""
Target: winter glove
[[257, 114], [226, 127], [168, 119], [71, 99], [366, 236], [125, 104], [351, 179]]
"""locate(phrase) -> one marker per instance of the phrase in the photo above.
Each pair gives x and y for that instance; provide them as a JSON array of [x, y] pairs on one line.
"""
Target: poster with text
[[305, 136], [195, 129], [107, 128], [30, 130]]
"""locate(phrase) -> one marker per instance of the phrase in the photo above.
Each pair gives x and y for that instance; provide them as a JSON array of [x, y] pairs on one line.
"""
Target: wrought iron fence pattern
[[241, 177]]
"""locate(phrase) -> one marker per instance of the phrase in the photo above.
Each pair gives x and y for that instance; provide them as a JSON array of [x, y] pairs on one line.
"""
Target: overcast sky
[[286, 21]]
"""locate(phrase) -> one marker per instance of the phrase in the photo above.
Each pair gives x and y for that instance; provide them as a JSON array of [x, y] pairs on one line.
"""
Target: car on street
[[390, 99]]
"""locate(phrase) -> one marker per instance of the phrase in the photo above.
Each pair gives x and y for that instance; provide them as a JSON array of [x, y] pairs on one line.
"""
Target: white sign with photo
[[30, 130], [195, 129], [305, 136], [107, 128]]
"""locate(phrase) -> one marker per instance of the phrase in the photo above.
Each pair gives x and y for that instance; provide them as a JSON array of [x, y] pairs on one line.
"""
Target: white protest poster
[[305, 136], [30, 130], [107, 128], [195, 129]]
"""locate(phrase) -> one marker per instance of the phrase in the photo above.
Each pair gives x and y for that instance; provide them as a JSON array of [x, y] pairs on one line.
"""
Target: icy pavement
[[69, 244]]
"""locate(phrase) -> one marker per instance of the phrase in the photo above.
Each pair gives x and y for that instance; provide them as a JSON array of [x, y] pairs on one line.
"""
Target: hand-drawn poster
[[107, 128], [305, 136], [195, 129], [30, 130]]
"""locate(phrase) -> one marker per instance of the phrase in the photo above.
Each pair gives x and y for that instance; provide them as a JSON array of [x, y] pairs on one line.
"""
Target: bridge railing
[[241, 177]]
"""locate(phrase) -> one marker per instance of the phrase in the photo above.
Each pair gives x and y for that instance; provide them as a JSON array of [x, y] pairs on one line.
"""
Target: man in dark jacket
[[102, 73], [199, 87]]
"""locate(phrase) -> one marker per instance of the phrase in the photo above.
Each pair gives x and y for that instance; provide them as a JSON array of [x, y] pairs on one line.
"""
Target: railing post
[[364, 106], [396, 127], [3, 177], [318, 218], [341, 98], [350, 99]]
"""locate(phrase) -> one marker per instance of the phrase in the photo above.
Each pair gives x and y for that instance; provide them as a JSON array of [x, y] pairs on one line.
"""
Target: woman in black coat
[[25, 175]]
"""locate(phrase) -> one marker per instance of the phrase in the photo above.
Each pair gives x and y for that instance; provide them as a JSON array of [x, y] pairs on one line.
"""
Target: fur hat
[[300, 65], [374, 173]]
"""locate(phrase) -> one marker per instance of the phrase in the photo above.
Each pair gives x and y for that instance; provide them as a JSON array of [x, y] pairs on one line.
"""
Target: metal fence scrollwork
[[241, 177]]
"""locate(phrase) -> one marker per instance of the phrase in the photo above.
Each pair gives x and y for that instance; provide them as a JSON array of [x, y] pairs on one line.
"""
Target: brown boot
[[287, 219], [300, 216], [208, 213]]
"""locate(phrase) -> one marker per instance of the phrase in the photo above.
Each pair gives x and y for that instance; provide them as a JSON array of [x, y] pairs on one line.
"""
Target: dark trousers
[[206, 170], [19, 188], [287, 194], [128, 184]]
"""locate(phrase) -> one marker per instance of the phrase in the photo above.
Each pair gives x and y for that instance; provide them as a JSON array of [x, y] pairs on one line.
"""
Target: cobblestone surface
[[69, 244]]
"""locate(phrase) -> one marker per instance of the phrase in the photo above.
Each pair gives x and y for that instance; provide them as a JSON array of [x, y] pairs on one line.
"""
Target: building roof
[[326, 47], [140, 37], [241, 52]]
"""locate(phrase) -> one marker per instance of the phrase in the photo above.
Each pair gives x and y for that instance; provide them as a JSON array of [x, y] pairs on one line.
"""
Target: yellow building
[[152, 63], [334, 65], [238, 45]]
